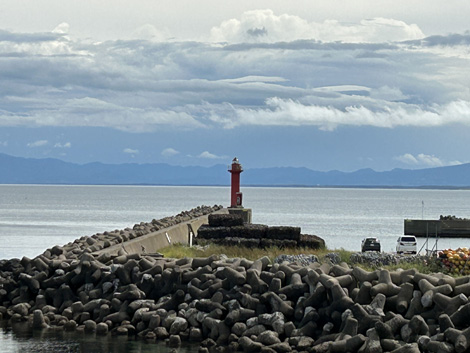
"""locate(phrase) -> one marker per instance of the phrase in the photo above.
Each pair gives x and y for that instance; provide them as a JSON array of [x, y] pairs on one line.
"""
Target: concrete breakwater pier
[[110, 284], [444, 227]]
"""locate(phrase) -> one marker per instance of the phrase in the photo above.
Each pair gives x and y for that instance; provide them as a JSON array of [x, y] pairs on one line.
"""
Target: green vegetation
[[181, 251], [420, 265]]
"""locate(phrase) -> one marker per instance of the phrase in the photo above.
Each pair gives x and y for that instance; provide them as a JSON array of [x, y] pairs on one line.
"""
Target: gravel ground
[[370, 258]]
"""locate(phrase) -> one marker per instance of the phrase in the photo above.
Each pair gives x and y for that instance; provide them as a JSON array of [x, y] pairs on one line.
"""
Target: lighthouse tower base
[[244, 213]]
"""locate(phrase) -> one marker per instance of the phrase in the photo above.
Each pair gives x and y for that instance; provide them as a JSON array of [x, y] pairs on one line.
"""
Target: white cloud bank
[[63, 145], [63, 28], [39, 143], [130, 151], [150, 32], [208, 155], [169, 152], [280, 112], [425, 160], [265, 26]]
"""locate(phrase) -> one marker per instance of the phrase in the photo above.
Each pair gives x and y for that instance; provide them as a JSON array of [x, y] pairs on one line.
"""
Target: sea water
[[34, 218], [20, 338]]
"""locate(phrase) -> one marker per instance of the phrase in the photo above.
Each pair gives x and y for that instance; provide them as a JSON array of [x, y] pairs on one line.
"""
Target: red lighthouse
[[236, 196]]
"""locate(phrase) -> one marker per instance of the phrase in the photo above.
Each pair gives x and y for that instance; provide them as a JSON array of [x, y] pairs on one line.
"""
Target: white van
[[407, 244]]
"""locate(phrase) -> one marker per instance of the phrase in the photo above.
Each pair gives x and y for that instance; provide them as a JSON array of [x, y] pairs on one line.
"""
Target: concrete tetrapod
[[238, 304]]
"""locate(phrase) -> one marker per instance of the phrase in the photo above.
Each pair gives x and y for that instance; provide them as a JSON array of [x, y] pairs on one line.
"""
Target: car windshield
[[372, 240], [408, 239]]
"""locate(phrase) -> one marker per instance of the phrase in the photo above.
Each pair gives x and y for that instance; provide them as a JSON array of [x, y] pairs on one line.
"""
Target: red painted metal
[[236, 196]]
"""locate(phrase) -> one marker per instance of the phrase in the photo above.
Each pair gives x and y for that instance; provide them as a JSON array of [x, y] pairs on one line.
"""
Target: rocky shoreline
[[234, 304]]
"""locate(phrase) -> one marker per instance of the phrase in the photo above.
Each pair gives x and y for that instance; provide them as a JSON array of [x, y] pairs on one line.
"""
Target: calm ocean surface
[[34, 218]]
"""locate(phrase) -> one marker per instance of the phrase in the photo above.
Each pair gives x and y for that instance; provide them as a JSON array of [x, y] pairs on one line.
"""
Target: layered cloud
[[263, 69]]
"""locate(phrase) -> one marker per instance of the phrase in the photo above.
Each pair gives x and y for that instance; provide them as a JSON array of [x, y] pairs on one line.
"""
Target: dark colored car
[[370, 244]]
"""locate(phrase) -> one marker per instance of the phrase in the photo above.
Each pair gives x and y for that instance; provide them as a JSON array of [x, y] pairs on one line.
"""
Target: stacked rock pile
[[301, 259], [379, 259], [237, 304], [230, 230]]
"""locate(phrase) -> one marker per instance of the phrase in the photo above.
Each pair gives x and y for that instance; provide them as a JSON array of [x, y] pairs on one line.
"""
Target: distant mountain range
[[17, 170]]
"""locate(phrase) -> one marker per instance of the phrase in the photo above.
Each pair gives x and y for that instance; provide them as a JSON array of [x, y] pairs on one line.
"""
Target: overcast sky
[[321, 84]]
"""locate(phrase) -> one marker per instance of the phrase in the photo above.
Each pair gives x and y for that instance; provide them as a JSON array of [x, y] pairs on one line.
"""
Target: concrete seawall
[[444, 228], [144, 237], [152, 242]]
